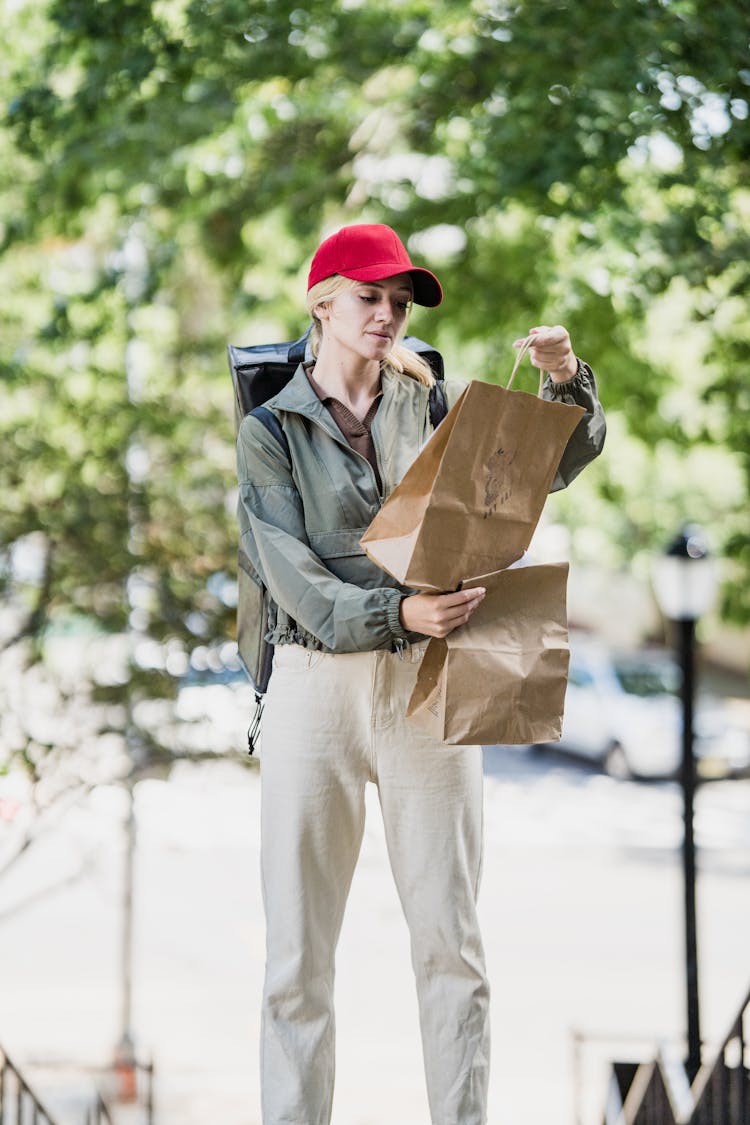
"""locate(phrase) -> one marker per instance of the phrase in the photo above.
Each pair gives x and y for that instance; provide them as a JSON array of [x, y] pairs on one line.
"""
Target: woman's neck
[[351, 379]]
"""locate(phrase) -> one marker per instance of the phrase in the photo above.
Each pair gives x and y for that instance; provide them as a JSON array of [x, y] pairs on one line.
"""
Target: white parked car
[[624, 712]]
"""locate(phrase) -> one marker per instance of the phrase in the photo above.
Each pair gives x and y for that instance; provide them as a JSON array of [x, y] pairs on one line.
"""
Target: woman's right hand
[[437, 615]]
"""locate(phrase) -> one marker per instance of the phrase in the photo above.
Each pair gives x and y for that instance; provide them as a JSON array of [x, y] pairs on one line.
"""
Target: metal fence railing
[[721, 1091], [658, 1092], [19, 1105], [98, 1114], [134, 1085], [648, 1101]]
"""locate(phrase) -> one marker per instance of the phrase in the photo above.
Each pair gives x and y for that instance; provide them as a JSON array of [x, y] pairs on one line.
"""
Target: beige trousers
[[331, 724]]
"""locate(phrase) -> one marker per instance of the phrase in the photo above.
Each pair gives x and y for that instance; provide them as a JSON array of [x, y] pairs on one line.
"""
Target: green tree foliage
[[169, 165]]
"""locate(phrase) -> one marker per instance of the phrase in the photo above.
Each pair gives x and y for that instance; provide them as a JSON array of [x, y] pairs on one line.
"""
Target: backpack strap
[[438, 403], [268, 419], [298, 349]]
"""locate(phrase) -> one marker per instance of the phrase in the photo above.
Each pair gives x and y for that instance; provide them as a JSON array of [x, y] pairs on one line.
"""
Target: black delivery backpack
[[259, 373]]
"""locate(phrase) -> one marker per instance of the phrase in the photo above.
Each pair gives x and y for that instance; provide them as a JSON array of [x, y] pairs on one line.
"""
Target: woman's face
[[368, 318]]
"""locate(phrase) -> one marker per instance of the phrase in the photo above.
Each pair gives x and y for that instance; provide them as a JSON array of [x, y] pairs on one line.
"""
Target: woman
[[348, 643]]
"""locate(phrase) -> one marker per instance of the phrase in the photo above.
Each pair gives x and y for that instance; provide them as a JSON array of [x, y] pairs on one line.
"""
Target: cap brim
[[427, 289]]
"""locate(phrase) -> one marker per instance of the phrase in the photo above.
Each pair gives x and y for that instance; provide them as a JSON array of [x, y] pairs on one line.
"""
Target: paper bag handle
[[526, 344]]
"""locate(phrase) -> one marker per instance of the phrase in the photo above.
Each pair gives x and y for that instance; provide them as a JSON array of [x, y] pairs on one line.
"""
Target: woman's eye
[[402, 306]]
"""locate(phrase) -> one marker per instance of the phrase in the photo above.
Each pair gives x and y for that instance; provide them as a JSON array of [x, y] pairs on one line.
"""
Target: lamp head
[[684, 577]]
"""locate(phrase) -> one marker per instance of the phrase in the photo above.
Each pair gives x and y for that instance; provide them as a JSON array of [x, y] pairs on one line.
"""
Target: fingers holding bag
[[551, 349], [437, 615]]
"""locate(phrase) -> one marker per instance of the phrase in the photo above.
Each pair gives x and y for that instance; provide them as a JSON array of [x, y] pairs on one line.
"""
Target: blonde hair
[[399, 361]]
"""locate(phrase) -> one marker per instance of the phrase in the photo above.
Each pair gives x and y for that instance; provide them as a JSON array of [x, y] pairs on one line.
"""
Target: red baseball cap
[[371, 252]]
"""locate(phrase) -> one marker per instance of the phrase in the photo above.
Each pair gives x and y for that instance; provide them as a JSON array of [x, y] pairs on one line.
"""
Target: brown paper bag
[[471, 500], [501, 677]]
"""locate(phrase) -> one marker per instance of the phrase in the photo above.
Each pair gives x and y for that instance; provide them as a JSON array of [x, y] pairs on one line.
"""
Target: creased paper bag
[[471, 500], [501, 677]]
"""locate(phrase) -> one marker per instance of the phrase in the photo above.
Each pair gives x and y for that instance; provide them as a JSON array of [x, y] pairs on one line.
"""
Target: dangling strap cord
[[253, 731]]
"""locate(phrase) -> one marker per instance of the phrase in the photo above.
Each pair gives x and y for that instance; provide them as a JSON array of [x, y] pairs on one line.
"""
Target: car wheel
[[616, 764]]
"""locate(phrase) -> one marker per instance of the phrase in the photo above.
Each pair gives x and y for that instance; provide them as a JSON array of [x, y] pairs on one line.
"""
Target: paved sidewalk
[[580, 903]]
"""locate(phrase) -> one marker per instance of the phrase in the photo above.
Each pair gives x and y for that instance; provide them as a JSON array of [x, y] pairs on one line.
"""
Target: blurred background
[[167, 168]]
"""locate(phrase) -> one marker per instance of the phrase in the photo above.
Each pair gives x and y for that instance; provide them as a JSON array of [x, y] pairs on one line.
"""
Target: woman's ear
[[321, 311]]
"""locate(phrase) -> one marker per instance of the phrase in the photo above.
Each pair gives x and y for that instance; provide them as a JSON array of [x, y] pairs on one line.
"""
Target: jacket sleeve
[[344, 617], [587, 440]]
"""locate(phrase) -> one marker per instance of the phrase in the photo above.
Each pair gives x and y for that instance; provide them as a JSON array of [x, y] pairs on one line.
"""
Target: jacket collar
[[300, 398]]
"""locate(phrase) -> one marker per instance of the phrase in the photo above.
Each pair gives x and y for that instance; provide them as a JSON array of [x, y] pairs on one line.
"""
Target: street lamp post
[[685, 586]]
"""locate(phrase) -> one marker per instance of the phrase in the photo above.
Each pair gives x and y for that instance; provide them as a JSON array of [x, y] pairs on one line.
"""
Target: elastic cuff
[[392, 608], [580, 378]]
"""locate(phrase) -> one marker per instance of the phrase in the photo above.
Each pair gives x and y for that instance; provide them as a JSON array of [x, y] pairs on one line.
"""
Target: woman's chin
[[379, 345]]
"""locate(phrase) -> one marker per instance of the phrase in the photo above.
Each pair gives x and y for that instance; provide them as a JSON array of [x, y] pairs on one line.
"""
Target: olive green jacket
[[301, 522]]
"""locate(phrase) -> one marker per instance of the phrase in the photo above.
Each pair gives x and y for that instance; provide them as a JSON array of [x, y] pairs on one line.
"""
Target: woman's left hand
[[552, 351]]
